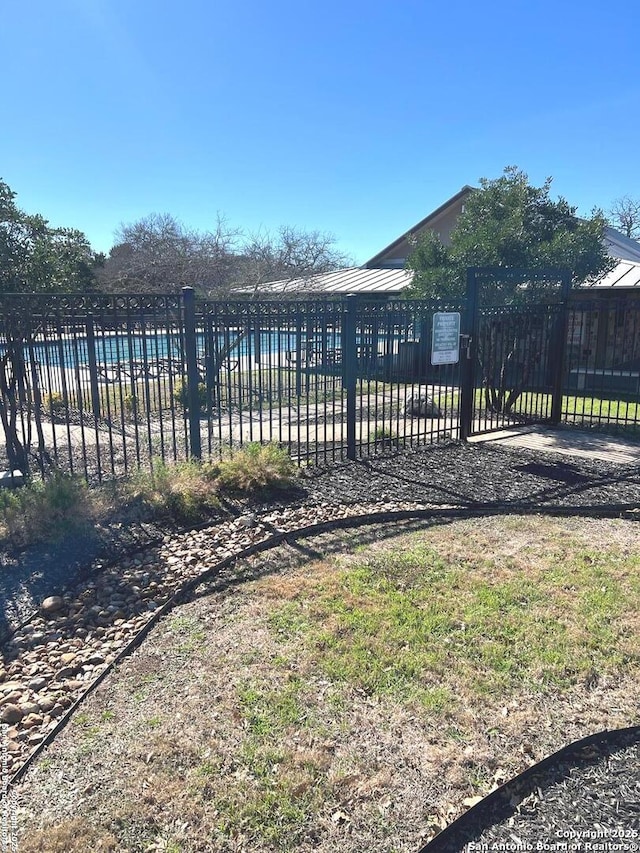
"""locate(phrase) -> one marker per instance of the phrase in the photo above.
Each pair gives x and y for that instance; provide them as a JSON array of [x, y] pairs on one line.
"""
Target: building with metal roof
[[625, 275], [385, 274], [373, 282]]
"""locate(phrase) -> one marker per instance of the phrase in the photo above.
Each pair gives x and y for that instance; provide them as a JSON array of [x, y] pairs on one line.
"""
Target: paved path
[[569, 442]]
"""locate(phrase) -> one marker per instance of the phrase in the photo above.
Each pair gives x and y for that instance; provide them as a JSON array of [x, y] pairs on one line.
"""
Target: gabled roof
[[621, 246], [430, 221]]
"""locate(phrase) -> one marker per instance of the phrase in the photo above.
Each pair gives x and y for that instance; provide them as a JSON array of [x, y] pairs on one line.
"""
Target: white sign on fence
[[445, 343]]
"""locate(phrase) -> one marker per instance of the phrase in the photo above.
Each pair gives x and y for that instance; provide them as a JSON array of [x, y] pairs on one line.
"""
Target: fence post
[[193, 377], [467, 368], [93, 368], [350, 370], [558, 349]]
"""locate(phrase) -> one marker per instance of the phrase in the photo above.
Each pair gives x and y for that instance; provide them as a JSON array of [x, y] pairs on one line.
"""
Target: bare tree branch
[[624, 214], [159, 254], [289, 256]]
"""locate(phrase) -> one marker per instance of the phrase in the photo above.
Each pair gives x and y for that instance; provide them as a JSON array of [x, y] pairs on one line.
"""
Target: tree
[[290, 255], [509, 223], [624, 214], [160, 254], [36, 258], [512, 225]]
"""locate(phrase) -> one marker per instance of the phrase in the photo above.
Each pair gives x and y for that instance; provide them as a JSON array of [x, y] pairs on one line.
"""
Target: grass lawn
[[611, 414], [354, 693]]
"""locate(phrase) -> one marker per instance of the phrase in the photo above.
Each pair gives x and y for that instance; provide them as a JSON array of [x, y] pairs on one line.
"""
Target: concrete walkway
[[569, 442]]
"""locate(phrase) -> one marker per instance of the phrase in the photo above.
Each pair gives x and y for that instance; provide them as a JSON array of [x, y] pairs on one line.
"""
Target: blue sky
[[354, 118]]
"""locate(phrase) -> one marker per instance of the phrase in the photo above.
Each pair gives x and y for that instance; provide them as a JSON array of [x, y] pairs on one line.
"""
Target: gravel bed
[[438, 475], [29, 575]]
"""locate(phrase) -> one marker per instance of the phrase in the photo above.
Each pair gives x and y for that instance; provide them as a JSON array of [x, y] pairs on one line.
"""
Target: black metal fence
[[328, 379], [602, 365], [102, 385], [518, 351]]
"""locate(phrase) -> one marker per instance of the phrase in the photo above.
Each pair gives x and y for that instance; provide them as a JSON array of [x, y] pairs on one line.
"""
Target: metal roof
[[372, 281], [620, 246], [381, 280], [350, 280], [624, 274]]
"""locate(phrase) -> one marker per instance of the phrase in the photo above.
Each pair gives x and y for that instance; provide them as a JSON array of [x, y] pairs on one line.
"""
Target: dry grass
[[339, 704], [46, 511], [182, 492], [255, 467]]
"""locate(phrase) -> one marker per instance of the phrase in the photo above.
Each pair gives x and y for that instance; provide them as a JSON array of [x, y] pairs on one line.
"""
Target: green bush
[[130, 404], [382, 435], [256, 467], [181, 394]]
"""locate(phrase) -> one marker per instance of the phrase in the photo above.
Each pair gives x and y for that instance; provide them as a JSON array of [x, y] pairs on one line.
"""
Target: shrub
[[131, 404], [181, 394], [54, 402], [256, 467], [45, 510], [383, 436], [186, 491]]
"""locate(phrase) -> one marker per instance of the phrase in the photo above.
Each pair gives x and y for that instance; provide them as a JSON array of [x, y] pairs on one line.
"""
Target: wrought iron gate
[[514, 365]]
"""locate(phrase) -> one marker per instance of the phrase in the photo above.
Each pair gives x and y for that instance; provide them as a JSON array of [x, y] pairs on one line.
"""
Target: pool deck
[[569, 442]]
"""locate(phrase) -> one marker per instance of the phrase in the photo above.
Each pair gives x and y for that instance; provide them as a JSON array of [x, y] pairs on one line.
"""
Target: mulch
[[473, 475], [584, 798]]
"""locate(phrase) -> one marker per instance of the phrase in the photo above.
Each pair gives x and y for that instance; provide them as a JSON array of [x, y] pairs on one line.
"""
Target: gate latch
[[466, 343]]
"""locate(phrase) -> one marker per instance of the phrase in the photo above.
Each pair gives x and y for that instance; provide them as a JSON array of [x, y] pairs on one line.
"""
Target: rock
[[10, 714], [67, 657], [35, 738], [27, 708], [13, 686], [67, 671], [52, 604], [422, 405], [31, 720], [46, 703]]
